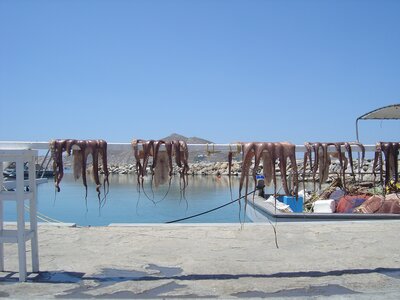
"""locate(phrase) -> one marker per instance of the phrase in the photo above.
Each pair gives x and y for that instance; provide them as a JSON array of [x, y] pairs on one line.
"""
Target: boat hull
[[259, 211]]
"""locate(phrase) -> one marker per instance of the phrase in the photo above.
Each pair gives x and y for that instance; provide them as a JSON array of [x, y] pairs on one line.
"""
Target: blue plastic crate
[[295, 205]]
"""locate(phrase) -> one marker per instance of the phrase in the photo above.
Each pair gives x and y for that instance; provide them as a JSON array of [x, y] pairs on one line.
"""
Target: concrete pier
[[346, 259]]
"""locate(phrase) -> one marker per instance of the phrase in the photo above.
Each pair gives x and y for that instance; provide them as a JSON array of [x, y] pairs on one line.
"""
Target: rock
[[368, 177], [224, 165]]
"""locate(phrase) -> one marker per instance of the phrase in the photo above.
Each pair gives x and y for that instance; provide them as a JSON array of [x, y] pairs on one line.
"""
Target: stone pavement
[[341, 260]]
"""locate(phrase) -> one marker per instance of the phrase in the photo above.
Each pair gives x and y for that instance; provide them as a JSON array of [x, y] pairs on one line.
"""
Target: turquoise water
[[125, 205]]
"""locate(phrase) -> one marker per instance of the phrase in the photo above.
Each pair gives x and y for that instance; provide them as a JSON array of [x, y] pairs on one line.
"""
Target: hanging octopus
[[391, 153], [95, 148], [269, 153], [162, 165], [322, 159]]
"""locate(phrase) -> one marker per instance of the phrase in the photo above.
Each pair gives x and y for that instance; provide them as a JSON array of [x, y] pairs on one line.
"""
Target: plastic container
[[295, 205], [324, 206]]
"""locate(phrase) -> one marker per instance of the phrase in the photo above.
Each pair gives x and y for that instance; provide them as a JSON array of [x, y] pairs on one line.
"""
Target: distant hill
[[195, 156], [188, 140], [126, 157]]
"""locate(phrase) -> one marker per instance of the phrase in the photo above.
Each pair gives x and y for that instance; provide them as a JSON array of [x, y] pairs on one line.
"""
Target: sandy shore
[[348, 259]]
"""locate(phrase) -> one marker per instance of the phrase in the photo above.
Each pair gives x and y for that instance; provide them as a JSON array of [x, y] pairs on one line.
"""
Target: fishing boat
[[10, 185], [260, 210], [9, 172]]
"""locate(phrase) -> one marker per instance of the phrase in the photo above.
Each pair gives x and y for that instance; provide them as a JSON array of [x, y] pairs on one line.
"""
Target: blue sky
[[223, 70]]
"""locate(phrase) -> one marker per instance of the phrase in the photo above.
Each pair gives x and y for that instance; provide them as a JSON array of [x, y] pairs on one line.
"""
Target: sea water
[[126, 203]]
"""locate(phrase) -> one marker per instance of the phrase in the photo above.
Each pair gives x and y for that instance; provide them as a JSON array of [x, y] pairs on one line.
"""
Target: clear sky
[[223, 70]]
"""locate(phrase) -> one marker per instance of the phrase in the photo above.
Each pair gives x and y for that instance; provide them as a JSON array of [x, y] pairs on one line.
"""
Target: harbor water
[[126, 204]]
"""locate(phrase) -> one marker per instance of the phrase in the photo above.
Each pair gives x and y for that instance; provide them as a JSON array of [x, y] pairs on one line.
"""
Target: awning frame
[[364, 116]]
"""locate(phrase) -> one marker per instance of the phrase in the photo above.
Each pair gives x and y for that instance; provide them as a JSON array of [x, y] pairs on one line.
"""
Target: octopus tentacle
[[347, 146], [169, 149], [386, 149], [287, 151], [246, 162], [148, 149], [321, 162], [322, 159], [57, 147], [230, 158], [307, 156], [162, 164], [83, 153], [391, 152], [395, 159], [341, 163], [103, 153], [177, 150], [377, 159], [161, 172], [139, 166], [381, 163], [269, 153], [258, 151], [282, 166], [185, 164], [392, 163], [324, 163], [77, 163], [248, 153], [271, 162], [93, 149], [156, 148], [268, 158], [85, 147], [360, 146], [327, 162], [68, 146], [290, 152], [316, 150]]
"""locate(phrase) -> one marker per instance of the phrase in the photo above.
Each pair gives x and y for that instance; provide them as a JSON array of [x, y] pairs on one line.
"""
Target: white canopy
[[387, 112], [390, 112]]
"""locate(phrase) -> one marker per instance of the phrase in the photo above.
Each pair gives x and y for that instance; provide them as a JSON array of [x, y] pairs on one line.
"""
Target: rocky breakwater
[[201, 168], [221, 168], [122, 169], [217, 168], [366, 170]]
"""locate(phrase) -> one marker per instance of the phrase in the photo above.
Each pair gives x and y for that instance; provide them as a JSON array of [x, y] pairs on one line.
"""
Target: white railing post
[[1, 219], [21, 235]]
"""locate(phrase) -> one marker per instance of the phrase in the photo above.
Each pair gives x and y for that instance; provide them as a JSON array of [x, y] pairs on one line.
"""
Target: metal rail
[[206, 148]]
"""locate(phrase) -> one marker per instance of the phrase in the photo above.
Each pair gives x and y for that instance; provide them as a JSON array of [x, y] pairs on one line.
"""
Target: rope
[[211, 210], [43, 217], [41, 165], [45, 169]]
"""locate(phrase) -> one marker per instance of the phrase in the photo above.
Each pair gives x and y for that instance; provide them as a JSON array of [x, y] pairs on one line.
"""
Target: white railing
[[206, 148]]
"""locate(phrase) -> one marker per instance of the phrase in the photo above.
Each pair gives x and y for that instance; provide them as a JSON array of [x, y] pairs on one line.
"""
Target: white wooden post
[[33, 214], [1, 219], [19, 169], [21, 235]]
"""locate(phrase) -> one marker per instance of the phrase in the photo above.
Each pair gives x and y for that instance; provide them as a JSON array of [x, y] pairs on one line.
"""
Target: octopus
[[391, 153], [161, 169], [269, 153], [84, 148], [322, 159]]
